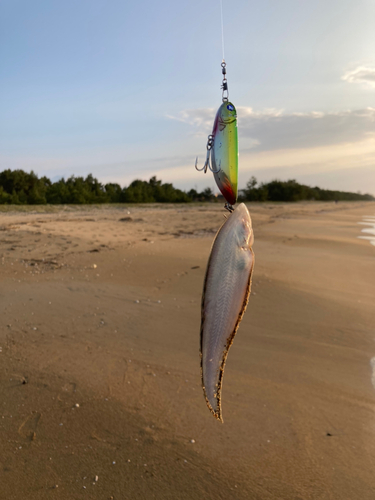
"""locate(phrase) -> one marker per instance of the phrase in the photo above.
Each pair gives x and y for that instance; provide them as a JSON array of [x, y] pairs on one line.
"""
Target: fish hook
[[207, 165], [229, 207]]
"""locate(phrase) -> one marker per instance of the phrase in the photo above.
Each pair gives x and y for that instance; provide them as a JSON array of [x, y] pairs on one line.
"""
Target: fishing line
[[222, 27]]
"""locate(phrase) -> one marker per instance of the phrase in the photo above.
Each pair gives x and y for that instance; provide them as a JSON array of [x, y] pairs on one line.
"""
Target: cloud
[[329, 149], [273, 129], [362, 74], [349, 167], [333, 149], [200, 118]]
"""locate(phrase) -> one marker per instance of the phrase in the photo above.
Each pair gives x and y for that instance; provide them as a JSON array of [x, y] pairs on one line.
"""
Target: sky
[[127, 90]]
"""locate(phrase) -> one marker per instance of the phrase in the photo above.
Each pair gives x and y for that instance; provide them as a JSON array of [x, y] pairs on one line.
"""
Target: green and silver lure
[[222, 146]]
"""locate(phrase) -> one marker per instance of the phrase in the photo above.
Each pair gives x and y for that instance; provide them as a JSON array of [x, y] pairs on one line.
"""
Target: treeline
[[21, 188], [293, 191]]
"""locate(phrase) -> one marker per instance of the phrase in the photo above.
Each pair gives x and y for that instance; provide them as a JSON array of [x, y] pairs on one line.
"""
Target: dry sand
[[99, 363]]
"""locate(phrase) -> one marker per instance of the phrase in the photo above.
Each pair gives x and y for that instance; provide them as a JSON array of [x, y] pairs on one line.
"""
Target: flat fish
[[225, 296]]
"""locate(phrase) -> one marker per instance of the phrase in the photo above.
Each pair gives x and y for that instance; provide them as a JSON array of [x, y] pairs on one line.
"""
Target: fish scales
[[224, 300]]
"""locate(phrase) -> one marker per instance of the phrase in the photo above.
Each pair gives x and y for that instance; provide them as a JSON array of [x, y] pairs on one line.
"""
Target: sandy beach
[[100, 388]]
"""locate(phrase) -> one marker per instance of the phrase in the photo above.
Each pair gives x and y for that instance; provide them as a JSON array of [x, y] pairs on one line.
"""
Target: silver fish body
[[225, 297]]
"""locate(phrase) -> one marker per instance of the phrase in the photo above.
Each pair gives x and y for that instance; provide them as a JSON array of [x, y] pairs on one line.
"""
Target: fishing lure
[[222, 146], [225, 296]]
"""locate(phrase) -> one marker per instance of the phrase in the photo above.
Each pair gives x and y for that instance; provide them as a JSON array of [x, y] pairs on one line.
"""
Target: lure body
[[224, 153], [224, 300]]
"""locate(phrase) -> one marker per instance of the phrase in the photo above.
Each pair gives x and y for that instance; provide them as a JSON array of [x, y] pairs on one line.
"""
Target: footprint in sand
[[28, 427], [70, 387]]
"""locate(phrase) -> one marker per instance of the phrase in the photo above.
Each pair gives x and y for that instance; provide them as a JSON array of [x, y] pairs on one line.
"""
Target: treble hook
[[207, 165]]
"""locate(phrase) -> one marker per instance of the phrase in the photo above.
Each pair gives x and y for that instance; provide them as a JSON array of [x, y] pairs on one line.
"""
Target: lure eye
[[230, 107]]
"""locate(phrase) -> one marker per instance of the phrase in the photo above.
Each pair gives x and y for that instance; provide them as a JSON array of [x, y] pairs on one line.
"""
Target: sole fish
[[225, 296]]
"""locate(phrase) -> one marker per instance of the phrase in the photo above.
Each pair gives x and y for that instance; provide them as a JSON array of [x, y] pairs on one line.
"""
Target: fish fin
[[230, 340]]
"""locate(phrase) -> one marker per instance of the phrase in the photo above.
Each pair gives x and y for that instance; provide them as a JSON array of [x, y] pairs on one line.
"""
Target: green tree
[[291, 190], [113, 192]]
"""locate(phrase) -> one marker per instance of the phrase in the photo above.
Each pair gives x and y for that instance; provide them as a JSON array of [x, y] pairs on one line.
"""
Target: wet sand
[[100, 390]]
